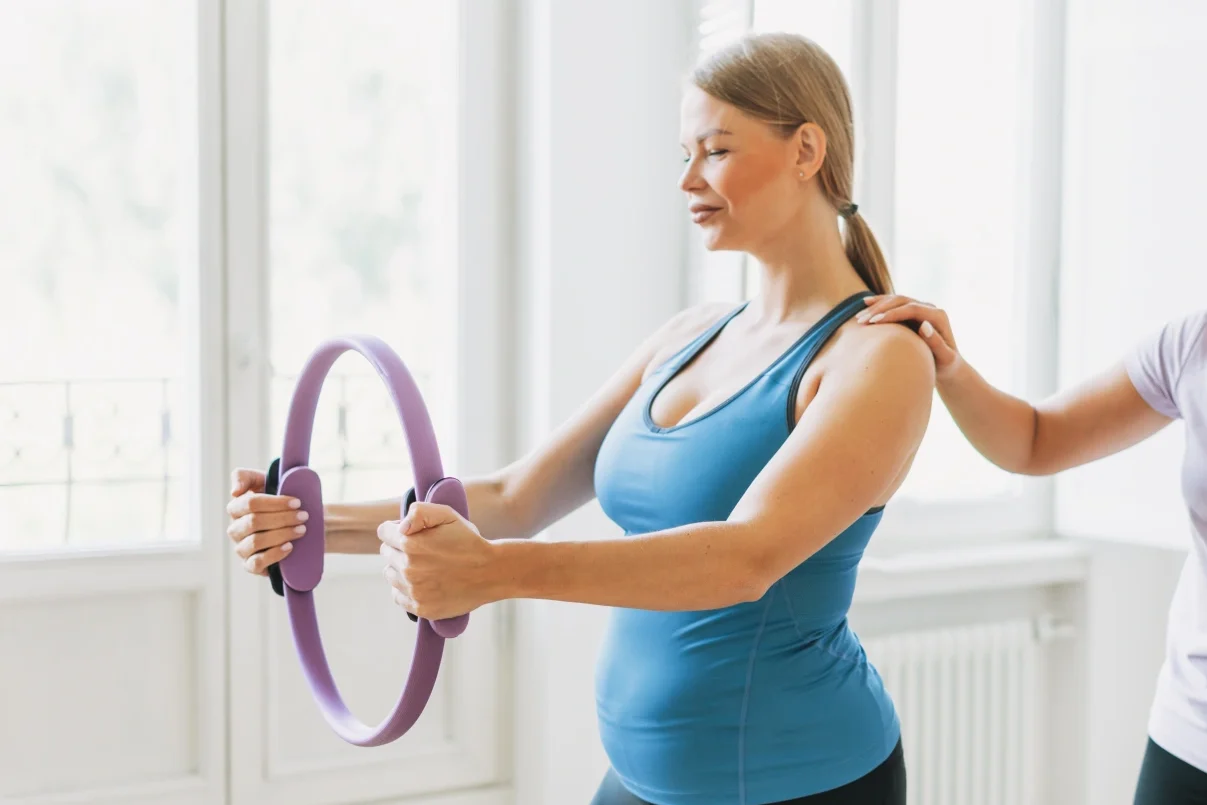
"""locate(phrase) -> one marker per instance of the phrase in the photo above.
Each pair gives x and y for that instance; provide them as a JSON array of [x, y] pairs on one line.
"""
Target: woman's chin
[[715, 241]]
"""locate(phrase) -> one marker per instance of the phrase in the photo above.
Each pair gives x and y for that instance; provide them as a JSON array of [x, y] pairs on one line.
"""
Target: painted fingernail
[[295, 504], [287, 547], [862, 317], [300, 529], [876, 318], [926, 329], [303, 516]]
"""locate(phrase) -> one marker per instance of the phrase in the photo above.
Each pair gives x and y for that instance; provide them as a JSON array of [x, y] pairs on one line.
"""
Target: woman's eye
[[715, 152]]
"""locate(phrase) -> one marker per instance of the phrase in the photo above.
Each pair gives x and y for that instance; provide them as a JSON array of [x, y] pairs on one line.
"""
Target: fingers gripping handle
[[449, 492], [304, 568]]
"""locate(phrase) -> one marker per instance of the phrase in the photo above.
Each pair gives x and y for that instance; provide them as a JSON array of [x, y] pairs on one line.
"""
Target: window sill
[[1009, 565]]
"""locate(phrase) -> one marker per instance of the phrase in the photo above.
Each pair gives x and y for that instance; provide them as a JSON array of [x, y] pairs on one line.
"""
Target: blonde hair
[[786, 81]]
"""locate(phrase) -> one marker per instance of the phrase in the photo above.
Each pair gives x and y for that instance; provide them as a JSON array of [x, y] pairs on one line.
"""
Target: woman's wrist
[[954, 377], [512, 570], [352, 527]]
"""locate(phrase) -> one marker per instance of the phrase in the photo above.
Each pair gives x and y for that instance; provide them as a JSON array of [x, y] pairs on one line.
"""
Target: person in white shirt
[[1162, 379]]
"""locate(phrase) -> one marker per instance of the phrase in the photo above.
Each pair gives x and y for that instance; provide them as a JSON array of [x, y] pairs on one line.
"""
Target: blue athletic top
[[749, 704]]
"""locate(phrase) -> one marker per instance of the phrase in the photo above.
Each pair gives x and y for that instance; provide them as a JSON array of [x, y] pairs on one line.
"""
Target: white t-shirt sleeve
[[1156, 365]]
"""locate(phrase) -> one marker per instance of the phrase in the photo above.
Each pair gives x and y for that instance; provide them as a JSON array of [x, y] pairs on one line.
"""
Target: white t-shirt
[[1169, 371]]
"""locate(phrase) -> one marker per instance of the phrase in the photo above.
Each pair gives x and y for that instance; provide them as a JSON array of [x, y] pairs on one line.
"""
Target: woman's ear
[[810, 149]]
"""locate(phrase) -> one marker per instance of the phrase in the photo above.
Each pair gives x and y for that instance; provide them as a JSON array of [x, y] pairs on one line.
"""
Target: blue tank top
[[749, 704]]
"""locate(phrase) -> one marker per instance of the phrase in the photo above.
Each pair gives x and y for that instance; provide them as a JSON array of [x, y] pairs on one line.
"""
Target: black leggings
[[1166, 780], [883, 785]]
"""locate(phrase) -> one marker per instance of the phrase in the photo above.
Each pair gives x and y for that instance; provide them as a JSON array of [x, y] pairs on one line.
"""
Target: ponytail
[[864, 253]]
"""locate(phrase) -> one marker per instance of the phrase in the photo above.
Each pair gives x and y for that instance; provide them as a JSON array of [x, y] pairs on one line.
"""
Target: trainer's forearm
[[999, 425], [352, 527]]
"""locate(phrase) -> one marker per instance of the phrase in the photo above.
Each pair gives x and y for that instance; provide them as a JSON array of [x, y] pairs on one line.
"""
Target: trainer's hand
[[935, 328], [262, 526]]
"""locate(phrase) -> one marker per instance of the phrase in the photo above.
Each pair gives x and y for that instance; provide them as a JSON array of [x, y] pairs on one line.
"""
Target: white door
[[112, 608], [362, 182]]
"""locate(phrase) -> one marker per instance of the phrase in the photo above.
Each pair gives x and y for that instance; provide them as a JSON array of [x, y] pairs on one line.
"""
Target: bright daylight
[[560, 402]]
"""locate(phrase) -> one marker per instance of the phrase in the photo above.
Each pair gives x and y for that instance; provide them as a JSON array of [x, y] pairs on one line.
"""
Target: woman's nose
[[690, 179]]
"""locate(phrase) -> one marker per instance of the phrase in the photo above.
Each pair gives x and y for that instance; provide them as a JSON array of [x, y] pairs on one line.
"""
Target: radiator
[[970, 702]]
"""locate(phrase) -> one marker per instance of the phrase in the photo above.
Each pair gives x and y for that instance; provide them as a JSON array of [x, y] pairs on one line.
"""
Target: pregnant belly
[[664, 668], [687, 706]]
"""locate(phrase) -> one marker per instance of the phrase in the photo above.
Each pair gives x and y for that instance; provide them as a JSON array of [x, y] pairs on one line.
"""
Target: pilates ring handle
[[298, 574]]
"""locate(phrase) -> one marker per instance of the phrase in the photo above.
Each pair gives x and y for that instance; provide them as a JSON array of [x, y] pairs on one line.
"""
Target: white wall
[[1127, 599], [601, 265]]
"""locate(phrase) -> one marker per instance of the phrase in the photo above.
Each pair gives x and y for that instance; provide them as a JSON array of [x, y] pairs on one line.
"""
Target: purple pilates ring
[[302, 569]]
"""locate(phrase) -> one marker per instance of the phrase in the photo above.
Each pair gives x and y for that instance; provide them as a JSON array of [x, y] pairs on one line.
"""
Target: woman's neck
[[802, 270]]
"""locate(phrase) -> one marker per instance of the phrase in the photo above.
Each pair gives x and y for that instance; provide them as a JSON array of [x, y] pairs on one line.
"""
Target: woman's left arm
[[852, 442]]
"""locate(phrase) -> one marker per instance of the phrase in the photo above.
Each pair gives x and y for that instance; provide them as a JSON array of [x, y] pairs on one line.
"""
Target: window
[[98, 257], [959, 199], [949, 132], [1133, 238], [363, 221], [364, 195], [829, 23], [196, 195], [721, 21]]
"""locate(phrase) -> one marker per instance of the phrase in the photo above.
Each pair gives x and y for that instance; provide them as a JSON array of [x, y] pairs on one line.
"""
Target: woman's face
[[743, 180]]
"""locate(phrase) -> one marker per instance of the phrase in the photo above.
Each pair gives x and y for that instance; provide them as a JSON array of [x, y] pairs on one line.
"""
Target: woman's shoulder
[[683, 328], [860, 345], [890, 359], [692, 321]]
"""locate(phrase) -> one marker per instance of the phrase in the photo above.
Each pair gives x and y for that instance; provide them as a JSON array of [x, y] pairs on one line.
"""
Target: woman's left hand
[[437, 563]]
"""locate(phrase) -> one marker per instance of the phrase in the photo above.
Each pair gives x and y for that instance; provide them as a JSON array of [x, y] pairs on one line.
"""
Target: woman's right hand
[[262, 526], [935, 328]]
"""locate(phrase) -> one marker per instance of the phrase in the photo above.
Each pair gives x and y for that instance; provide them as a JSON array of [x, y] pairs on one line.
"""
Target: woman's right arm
[[1097, 418], [515, 502]]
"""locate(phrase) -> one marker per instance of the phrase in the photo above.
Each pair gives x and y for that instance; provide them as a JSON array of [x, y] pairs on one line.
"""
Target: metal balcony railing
[[84, 458]]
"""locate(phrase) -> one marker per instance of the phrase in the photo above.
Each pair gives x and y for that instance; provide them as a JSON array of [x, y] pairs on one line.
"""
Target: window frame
[[912, 524], [483, 367]]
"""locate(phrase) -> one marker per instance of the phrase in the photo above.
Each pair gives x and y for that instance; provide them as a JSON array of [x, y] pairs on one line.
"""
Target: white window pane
[[362, 205], [962, 115], [98, 123], [1134, 237], [829, 23], [721, 22]]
